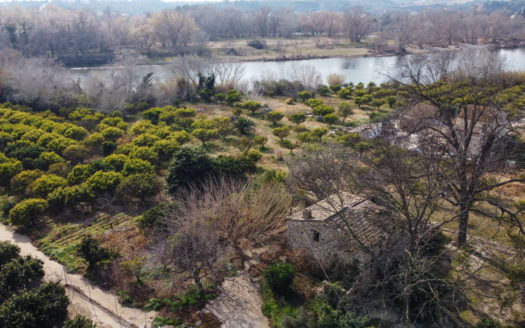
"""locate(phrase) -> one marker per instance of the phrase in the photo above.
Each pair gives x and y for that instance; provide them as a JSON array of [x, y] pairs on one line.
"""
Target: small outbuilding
[[340, 226]]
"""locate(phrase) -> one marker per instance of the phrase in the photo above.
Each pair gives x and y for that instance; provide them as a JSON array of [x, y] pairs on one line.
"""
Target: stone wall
[[330, 242]]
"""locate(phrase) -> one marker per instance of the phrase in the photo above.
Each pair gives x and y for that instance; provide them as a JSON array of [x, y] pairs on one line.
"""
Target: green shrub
[[92, 252], [45, 184], [136, 166], [8, 170], [304, 96], [279, 277], [104, 181], [141, 187], [6, 204], [274, 117], [154, 216], [324, 91], [233, 96], [79, 322], [27, 212], [297, 118]]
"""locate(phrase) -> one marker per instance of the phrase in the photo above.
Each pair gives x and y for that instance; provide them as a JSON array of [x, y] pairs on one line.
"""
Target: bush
[[324, 91], [251, 105], [79, 322], [297, 118], [92, 252], [304, 95], [104, 181], [330, 119], [43, 307], [44, 185], [155, 215], [22, 180], [274, 117], [189, 166], [279, 277], [233, 96], [244, 125], [136, 166], [140, 186], [27, 211], [8, 170], [6, 204], [256, 44]]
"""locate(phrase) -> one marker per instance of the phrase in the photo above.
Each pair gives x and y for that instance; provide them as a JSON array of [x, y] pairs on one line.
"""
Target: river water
[[355, 69]]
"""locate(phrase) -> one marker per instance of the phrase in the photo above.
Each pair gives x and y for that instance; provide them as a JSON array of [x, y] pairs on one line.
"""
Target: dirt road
[[96, 304]]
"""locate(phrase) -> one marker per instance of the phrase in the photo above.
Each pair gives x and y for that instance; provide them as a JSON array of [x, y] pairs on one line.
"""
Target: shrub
[[135, 166], [251, 105], [27, 211], [304, 96], [189, 166], [324, 91], [274, 117], [69, 197], [330, 119], [323, 110], [244, 125], [281, 132], [140, 186], [111, 133], [345, 93], [104, 181], [279, 277], [79, 174], [344, 110], [233, 96], [254, 155], [256, 44], [43, 307], [155, 215], [297, 118], [90, 251], [75, 153], [46, 184], [8, 170], [115, 162], [79, 322], [6, 204]]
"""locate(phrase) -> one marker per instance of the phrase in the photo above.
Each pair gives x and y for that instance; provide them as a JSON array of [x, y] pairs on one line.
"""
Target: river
[[355, 69]]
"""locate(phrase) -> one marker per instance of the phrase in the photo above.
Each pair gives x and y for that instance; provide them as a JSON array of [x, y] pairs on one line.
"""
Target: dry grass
[[274, 156], [277, 48]]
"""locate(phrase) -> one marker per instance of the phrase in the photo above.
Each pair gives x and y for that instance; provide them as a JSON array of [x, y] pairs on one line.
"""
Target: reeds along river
[[355, 69]]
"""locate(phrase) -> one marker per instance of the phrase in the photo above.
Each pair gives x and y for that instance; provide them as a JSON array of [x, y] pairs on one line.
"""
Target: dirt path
[[239, 304], [96, 304]]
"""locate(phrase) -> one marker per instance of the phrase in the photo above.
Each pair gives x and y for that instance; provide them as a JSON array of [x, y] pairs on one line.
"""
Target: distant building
[[336, 226]]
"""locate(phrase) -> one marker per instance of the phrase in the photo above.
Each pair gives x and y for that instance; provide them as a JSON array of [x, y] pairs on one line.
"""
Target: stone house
[[340, 226]]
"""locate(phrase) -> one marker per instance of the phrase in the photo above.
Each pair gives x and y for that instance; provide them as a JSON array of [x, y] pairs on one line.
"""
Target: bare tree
[[407, 183], [357, 24], [470, 123], [174, 28]]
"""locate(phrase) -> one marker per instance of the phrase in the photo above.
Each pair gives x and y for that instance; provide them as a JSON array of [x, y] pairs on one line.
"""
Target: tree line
[[81, 37]]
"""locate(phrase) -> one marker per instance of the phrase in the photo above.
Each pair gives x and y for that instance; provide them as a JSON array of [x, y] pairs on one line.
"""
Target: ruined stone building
[[341, 226]]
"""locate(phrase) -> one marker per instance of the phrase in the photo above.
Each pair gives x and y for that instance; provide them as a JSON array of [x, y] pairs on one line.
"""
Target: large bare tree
[[470, 123]]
